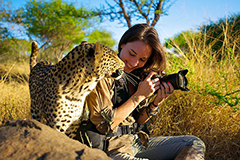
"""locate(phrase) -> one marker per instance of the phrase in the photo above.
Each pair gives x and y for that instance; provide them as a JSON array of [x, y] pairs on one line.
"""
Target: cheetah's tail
[[33, 57]]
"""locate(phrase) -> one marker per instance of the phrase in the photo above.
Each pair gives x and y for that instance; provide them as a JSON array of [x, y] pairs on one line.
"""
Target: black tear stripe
[[73, 99]]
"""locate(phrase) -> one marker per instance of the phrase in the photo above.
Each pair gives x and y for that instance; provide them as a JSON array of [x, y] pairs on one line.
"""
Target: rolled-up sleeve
[[100, 106]]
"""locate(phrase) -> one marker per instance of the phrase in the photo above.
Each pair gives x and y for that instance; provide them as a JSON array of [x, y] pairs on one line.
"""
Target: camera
[[178, 80]]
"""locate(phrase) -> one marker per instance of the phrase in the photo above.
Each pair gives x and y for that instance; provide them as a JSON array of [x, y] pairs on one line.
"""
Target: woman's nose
[[135, 62]]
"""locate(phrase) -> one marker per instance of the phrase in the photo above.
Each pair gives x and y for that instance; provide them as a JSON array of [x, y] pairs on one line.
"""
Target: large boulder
[[30, 139]]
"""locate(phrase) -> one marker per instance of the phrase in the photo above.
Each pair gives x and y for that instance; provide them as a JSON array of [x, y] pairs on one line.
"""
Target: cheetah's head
[[106, 62]]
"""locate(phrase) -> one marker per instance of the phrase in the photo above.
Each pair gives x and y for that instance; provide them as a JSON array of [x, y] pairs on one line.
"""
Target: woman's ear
[[122, 45]]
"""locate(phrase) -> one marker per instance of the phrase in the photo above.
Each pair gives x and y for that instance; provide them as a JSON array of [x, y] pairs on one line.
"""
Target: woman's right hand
[[147, 87]]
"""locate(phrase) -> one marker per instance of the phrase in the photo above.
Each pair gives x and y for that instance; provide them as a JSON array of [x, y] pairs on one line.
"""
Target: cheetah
[[58, 91]]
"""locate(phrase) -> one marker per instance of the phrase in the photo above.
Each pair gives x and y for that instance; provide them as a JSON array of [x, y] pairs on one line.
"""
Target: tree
[[55, 24], [183, 42], [14, 49], [218, 37], [5, 36], [5, 11], [102, 36], [128, 10]]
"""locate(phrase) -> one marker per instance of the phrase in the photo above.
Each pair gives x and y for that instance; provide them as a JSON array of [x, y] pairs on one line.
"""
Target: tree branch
[[126, 16], [149, 7], [141, 12], [158, 11], [44, 44]]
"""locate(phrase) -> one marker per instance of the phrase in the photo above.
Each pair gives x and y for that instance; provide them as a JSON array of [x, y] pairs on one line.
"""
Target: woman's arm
[[161, 96], [145, 89]]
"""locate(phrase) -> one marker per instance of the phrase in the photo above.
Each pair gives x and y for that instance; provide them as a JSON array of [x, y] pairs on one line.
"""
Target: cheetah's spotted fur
[[58, 91]]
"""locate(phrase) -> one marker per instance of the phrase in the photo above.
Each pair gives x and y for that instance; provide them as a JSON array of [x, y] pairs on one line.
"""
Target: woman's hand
[[166, 89], [147, 87]]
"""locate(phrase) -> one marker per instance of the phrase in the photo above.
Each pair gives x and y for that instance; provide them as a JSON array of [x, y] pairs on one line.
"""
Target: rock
[[30, 139]]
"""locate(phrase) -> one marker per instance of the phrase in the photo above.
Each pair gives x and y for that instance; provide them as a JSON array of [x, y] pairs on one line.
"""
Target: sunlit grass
[[14, 92], [209, 110]]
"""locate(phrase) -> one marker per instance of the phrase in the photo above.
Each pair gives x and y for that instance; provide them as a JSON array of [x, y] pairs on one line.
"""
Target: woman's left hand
[[165, 90]]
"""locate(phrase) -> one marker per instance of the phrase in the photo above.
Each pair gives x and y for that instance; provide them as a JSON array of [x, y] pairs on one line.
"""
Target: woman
[[117, 108]]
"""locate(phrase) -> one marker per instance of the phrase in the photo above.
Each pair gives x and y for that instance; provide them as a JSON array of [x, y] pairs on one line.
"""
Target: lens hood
[[178, 80]]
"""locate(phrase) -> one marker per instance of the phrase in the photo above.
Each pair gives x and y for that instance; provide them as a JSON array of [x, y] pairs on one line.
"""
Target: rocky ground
[[30, 139]]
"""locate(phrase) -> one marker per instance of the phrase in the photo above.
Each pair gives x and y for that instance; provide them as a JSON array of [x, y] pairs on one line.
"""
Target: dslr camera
[[178, 80]]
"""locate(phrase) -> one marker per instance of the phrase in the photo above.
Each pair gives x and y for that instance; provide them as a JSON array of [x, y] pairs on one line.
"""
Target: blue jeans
[[166, 147]]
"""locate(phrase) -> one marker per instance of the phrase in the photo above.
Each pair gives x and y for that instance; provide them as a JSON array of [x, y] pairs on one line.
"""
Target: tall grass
[[14, 92], [210, 110]]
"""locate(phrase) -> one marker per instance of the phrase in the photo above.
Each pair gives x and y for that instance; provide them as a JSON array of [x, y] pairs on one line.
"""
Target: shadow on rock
[[30, 139]]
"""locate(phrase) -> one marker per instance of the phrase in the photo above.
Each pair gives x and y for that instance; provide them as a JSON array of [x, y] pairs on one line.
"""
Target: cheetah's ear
[[98, 51]]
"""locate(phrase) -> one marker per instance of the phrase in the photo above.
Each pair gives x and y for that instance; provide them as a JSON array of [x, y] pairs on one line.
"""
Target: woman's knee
[[196, 143]]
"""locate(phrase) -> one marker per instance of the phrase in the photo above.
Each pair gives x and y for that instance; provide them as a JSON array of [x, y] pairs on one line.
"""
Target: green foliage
[[226, 88], [182, 41], [210, 110], [216, 77], [216, 36], [57, 26], [3, 33], [12, 49], [44, 19], [102, 37], [5, 11], [229, 98], [223, 34]]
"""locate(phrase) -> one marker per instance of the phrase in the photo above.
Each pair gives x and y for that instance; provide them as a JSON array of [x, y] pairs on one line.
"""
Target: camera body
[[178, 80]]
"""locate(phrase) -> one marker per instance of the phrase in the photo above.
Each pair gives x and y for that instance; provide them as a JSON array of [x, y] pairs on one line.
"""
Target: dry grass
[[205, 111], [14, 91], [210, 110], [192, 114]]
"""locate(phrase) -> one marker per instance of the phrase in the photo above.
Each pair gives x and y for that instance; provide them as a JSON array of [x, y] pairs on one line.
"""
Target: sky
[[183, 15]]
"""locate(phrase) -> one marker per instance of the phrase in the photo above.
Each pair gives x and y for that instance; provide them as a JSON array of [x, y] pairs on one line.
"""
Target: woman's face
[[135, 55]]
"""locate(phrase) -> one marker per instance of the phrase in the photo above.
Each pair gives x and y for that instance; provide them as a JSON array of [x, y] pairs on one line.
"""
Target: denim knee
[[197, 143]]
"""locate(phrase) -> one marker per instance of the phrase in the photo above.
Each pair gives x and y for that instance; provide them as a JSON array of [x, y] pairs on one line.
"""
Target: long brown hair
[[147, 34]]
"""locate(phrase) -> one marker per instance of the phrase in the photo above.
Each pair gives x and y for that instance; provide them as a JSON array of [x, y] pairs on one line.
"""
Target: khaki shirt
[[102, 114], [100, 105]]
